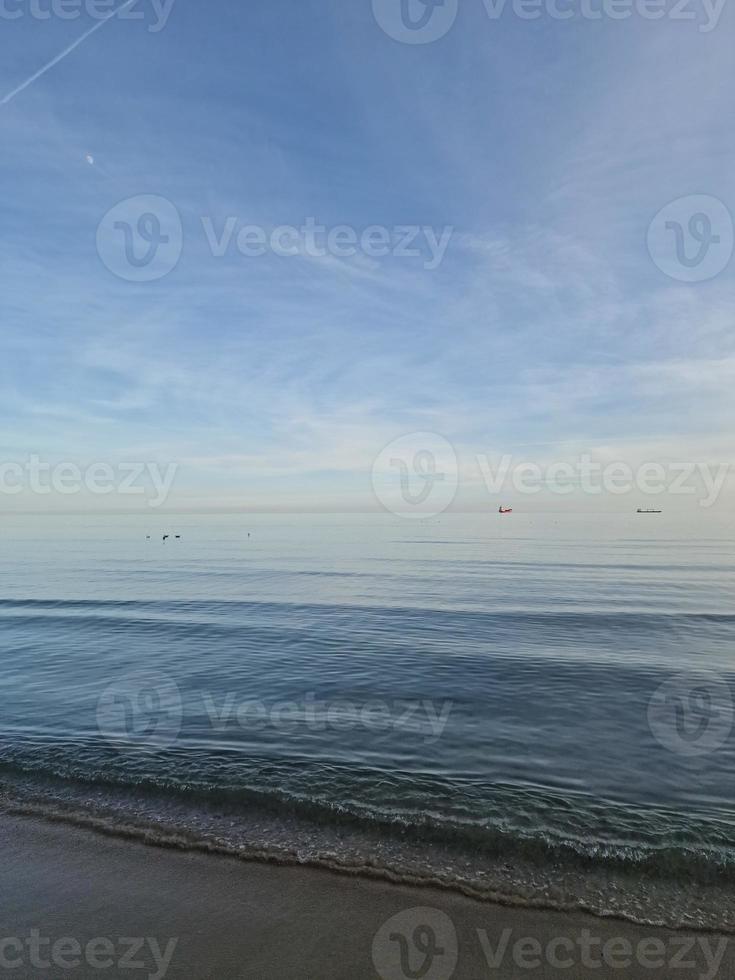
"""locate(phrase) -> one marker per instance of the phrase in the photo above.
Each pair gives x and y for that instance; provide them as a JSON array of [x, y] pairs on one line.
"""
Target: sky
[[553, 195]]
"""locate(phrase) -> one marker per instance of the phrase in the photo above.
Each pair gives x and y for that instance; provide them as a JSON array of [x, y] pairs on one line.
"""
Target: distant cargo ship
[[642, 511]]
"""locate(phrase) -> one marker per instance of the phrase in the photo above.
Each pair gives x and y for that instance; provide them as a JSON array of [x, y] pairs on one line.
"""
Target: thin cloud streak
[[64, 54]]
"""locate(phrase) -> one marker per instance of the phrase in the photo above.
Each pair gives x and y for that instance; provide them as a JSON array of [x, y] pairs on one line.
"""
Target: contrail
[[60, 57]]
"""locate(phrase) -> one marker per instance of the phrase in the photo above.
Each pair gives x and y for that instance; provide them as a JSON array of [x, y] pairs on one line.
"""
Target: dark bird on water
[[166, 537]]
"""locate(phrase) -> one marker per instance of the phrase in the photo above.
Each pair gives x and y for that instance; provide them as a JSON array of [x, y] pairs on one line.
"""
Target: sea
[[535, 709]]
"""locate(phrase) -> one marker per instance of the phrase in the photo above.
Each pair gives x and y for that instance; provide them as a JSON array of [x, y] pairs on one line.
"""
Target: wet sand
[[78, 904]]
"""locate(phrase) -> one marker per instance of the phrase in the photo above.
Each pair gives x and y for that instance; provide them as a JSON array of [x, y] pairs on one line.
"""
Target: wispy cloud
[[546, 324]]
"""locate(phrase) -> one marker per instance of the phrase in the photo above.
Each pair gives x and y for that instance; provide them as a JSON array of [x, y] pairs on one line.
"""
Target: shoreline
[[233, 918], [176, 841], [241, 835]]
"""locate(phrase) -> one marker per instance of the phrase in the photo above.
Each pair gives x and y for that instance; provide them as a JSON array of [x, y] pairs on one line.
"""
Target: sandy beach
[[78, 904]]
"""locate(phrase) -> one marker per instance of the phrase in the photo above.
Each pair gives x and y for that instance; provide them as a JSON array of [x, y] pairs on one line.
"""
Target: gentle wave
[[548, 780], [659, 842], [254, 826], [570, 622]]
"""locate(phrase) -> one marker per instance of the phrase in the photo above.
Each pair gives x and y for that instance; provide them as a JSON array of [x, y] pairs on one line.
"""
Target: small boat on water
[[642, 511], [505, 510]]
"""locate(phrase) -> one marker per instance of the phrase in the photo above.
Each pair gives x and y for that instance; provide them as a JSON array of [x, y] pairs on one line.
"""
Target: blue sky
[[547, 146]]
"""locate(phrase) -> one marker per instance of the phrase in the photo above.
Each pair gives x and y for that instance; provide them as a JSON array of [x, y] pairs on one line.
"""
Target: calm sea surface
[[535, 706]]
